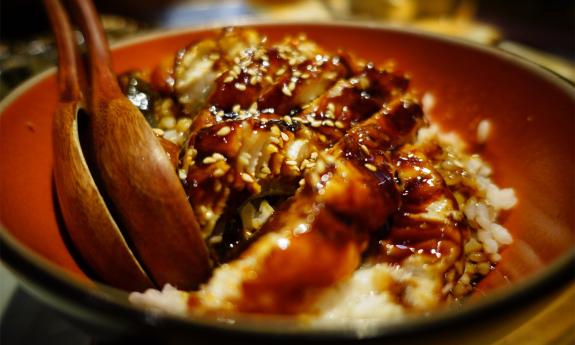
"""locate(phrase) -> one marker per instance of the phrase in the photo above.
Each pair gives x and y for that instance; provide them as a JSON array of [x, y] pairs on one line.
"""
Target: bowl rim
[[37, 271]]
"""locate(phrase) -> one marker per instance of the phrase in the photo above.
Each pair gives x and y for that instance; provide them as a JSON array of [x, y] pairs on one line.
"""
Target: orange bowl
[[531, 148]]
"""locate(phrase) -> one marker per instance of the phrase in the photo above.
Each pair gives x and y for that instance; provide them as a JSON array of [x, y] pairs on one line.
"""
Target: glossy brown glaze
[[330, 219], [272, 108], [419, 228]]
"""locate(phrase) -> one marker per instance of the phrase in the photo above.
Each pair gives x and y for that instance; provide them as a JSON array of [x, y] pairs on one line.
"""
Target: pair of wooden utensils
[[123, 205]]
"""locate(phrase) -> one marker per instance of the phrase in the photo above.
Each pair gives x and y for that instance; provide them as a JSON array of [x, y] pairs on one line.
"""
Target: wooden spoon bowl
[[90, 225], [145, 194]]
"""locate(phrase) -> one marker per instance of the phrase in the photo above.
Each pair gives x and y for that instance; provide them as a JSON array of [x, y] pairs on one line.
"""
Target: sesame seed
[[339, 124], [288, 120], [220, 113], [218, 157], [305, 76], [286, 91], [272, 148], [214, 56], [315, 123], [228, 79], [370, 167], [182, 174], [209, 160], [223, 131], [243, 160], [301, 182], [291, 86], [236, 108], [330, 107], [247, 178], [275, 140], [254, 80], [236, 69], [269, 79], [240, 86], [281, 71], [284, 136], [291, 162], [275, 131], [365, 149], [266, 170], [328, 123], [158, 131], [329, 115], [192, 152], [219, 172]]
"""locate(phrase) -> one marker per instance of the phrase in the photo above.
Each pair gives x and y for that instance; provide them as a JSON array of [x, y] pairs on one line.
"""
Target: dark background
[[548, 25]]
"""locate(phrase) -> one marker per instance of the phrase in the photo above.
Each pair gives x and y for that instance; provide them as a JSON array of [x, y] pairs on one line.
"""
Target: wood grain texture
[[137, 174], [90, 226]]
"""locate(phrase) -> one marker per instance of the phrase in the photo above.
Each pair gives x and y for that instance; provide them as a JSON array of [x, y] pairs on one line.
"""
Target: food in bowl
[[320, 187]]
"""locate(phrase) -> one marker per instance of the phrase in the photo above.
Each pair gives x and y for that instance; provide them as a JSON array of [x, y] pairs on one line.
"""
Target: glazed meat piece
[[237, 69], [279, 79], [317, 237], [197, 67], [427, 233], [352, 100], [236, 159]]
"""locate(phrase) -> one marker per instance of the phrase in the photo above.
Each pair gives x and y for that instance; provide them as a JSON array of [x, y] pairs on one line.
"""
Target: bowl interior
[[531, 147]]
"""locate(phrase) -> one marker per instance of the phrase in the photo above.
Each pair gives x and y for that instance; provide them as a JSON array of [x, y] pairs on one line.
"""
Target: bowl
[[531, 149]]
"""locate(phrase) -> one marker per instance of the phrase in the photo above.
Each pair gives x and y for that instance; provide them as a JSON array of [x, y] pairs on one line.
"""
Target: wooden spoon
[[144, 189], [90, 226]]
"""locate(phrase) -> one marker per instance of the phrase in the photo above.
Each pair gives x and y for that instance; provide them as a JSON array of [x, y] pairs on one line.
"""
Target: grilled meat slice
[[197, 67], [317, 237], [427, 233]]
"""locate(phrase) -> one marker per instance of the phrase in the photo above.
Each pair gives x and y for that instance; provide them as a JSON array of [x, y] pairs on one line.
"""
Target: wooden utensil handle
[[103, 80], [68, 81]]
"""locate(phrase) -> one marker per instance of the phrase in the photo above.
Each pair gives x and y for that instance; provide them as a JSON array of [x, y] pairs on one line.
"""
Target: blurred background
[[540, 30]]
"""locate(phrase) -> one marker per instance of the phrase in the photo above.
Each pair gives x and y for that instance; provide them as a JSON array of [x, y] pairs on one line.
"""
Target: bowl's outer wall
[[531, 147]]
